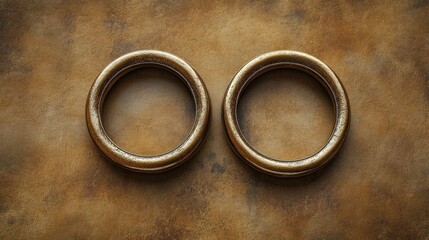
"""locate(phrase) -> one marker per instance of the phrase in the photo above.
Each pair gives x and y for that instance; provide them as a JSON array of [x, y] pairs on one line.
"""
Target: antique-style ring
[[302, 62], [113, 72]]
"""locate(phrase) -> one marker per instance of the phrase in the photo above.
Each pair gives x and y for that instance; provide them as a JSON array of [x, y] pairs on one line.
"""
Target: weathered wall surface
[[55, 184]]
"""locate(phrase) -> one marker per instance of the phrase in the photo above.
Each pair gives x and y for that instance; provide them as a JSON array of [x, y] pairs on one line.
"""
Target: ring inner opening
[[148, 111], [286, 114]]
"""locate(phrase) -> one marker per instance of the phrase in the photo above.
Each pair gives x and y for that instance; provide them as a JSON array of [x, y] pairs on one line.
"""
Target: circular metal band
[[113, 72], [293, 60]]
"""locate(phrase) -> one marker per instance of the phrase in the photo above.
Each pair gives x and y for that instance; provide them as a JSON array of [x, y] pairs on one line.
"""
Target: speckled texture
[[55, 184]]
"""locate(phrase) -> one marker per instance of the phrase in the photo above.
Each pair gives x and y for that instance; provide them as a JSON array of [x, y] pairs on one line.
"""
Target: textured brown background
[[54, 183]]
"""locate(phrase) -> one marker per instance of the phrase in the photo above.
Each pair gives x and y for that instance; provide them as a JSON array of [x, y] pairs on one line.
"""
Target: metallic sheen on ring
[[113, 72], [293, 60]]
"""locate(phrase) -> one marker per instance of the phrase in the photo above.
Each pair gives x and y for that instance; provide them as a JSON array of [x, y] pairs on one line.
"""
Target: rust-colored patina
[[56, 185]]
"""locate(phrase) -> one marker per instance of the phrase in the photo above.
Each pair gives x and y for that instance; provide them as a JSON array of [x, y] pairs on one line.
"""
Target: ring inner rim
[[287, 65], [129, 68]]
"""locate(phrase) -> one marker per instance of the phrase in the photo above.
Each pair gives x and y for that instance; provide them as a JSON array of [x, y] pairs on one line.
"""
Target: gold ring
[[293, 60], [113, 72]]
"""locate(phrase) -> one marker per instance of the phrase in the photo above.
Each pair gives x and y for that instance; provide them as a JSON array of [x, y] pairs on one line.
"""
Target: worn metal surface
[[55, 184], [142, 162], [296, 61]]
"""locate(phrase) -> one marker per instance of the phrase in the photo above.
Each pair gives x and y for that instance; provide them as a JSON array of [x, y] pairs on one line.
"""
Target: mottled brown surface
[[55, 184]]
